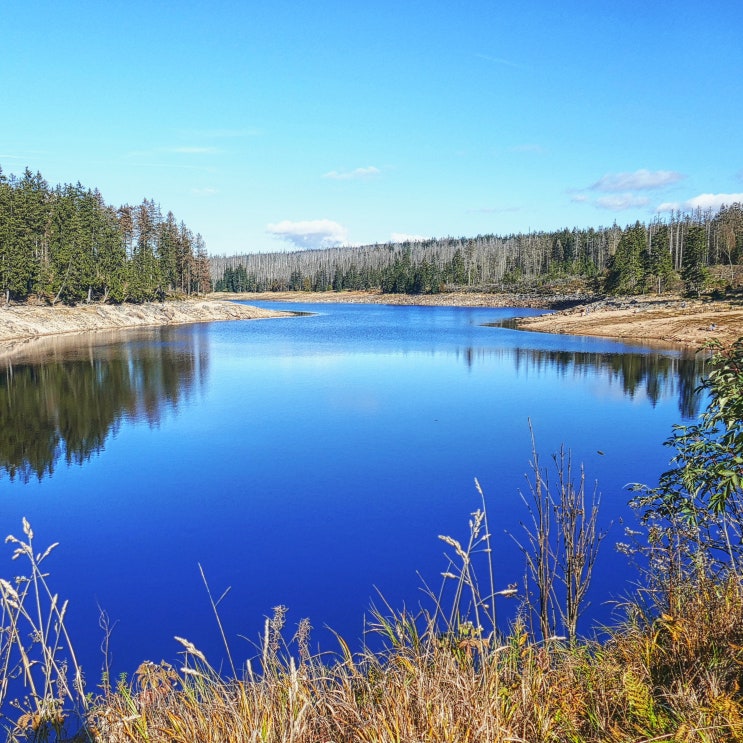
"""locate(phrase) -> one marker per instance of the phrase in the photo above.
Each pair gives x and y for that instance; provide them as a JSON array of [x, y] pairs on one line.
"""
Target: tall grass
[[443, 677], [672, 671], [40, 679]]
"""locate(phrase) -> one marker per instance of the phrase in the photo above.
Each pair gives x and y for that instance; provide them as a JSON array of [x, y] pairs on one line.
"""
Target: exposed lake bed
[[665, 320], [22, 321]]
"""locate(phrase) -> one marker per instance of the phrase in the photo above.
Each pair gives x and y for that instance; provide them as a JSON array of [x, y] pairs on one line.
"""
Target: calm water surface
[[306, 461]]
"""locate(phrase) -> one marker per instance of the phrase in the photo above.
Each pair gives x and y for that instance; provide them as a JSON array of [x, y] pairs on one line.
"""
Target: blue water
[[310, 461]]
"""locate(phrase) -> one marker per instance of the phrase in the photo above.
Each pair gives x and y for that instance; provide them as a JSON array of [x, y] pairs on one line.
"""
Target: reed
[[41, 683], [672, 672], [446, 673]]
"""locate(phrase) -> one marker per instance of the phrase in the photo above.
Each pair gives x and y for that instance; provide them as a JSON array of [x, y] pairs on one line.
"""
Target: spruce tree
[[694, 273], [626, 271]]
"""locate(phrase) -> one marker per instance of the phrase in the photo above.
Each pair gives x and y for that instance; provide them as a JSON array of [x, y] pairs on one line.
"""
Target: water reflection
[[62, 397], [657, 375]]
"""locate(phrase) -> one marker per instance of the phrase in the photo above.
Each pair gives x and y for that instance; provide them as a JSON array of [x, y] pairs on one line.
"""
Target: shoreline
[[678, 321], [20, 324], [667, 320]]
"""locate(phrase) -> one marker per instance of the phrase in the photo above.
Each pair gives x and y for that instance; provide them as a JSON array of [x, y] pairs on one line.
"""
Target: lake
[[310, 461]]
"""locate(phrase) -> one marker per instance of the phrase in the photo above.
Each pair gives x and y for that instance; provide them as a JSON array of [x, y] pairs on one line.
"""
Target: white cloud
[[640, 180], [220, 133], [352, 175], [315, 233], [497, 60], [620, 202], [703, 201], [714, 200], [579, 198], [402, 237]]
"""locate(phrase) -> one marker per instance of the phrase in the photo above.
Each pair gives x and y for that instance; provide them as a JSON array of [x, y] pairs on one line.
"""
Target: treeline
[[65, 244], [664, 254]]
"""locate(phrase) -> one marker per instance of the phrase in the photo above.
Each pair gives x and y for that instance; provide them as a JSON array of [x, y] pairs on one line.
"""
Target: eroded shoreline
[[20, 324]]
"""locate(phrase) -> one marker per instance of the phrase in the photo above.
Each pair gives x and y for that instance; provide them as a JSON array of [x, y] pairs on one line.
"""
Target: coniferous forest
[[666, 254], [66, 244]]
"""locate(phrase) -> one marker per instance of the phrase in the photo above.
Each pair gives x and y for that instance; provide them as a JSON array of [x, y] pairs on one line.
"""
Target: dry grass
[[677, 678], [671, 672]]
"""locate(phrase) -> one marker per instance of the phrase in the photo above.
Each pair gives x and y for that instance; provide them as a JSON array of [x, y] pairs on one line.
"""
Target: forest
[[66, 244], [674, 253]]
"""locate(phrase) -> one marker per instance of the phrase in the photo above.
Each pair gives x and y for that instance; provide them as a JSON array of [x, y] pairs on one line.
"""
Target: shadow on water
[[62, 397]]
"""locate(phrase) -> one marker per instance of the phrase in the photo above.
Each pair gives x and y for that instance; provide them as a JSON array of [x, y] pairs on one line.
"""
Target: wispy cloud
[[703, 201], [640, 180], [183, 150], [620, 202], [315, 233], [625, 190], [498, 60], [192, 150], [225, 133], [353, 175]]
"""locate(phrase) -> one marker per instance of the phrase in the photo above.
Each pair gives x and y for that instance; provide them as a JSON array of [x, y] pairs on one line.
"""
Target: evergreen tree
[[693, 271], [659, 273], [626, 273], [202, 280], [167, 251]]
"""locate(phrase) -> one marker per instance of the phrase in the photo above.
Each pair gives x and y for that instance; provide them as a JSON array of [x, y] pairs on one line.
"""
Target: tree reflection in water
[[655, 374], [63, 397]]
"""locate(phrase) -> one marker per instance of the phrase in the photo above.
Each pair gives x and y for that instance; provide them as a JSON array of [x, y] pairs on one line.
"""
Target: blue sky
[[268, 126]]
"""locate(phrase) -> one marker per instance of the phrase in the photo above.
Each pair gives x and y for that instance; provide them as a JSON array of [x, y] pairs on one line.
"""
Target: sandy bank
[[678, 321], [24, 321]]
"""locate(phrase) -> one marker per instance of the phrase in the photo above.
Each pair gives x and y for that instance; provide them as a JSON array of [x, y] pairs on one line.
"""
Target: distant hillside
[[638, 258]]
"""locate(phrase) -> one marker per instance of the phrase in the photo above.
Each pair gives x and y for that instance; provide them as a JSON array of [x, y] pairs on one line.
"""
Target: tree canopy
[[664, 254], [65, 244]]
